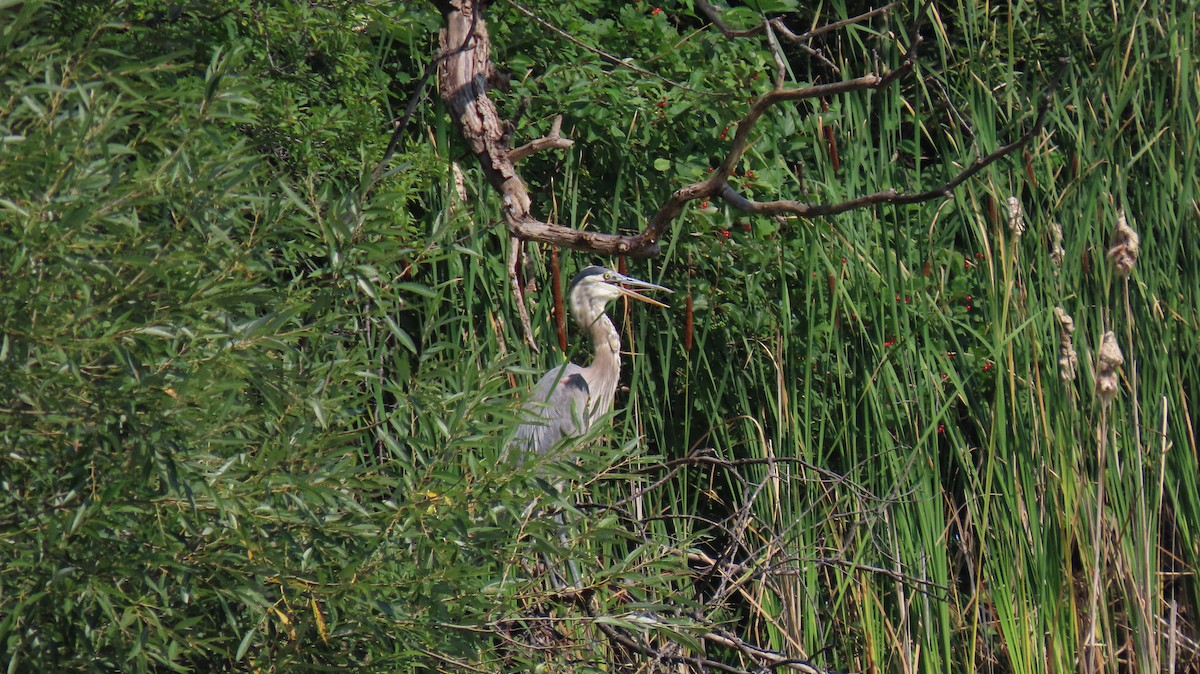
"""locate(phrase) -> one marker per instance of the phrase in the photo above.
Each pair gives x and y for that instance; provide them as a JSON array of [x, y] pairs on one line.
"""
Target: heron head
[[594, 287]]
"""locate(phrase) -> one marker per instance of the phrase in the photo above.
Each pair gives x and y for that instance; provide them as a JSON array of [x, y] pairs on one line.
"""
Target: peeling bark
[[464, 82]]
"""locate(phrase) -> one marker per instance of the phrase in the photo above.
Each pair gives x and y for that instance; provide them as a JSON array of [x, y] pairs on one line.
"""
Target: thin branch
[[619, 62], [717, 184], [514, 281], [836, 25], [551, 141], [710, 12], [781, 70], [740, 568], [713, 15], [401, 124], [768, 660]]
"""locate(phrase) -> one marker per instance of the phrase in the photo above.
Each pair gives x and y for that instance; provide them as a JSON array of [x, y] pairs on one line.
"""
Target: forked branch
[[463, 77], [464, 73]]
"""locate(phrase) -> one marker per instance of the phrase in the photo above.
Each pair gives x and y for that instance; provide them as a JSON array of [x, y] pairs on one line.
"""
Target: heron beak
[[630, 286]]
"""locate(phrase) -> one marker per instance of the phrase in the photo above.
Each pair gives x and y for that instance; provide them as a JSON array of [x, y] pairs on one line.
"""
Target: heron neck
[[607, 345]]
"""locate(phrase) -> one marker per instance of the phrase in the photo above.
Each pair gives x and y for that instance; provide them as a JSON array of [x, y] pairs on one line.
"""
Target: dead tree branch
[[552, 141], [717, 184], [514, 281], [766, 660], [464, 73], [463, 77], [713, 14]]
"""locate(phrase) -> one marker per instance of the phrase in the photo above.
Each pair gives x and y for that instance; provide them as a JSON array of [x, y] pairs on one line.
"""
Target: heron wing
[[557, 408]]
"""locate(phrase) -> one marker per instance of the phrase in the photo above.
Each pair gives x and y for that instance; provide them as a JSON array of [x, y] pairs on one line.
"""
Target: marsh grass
[[931, 495]]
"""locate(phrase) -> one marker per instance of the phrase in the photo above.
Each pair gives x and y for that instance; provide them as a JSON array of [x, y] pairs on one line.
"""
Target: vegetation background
[[253, 407]]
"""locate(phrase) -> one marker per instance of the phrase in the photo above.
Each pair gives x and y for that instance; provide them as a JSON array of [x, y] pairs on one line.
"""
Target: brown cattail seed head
[[1068, 360], [1125, 248], [1108, 358], [1057, 252], [1016, 218]]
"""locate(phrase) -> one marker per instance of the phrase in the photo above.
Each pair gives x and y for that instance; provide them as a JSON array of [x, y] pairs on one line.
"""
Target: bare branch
[[714, 17], [464, 74], [836, 25], [619, 62], [552, 141], [767, 660], [514, 281], [891, 196], [717, 183], [780, 63], [757, 570], [399, 125], [713, 14]]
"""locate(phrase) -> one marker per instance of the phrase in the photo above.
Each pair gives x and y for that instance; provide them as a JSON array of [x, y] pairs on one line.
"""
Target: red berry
[[656, 10], [725, 233]]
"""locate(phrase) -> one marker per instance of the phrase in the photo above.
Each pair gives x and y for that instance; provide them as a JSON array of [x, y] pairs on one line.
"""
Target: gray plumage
[[567, 400]]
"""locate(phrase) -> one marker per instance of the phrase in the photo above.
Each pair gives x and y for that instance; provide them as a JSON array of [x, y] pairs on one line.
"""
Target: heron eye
[[607, 276]]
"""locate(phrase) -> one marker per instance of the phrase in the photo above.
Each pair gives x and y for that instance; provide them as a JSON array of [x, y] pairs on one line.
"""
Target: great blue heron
[[567, 400]]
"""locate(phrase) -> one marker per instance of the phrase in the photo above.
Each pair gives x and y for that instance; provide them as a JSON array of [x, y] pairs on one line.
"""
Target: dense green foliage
[[253, 405]]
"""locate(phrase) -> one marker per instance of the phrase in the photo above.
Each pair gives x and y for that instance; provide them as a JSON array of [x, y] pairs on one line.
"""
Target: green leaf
[[244, 644]]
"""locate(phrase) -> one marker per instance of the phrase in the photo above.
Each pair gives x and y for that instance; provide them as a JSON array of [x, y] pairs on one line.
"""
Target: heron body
[[567, 400]]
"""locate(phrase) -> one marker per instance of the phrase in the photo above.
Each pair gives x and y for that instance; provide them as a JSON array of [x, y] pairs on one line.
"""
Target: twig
[[890, 196], [551, 141], [769, 660], [514, 262], [713, 15], [732, 464], [774, 570], [619, 62], [837, 25]]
